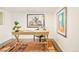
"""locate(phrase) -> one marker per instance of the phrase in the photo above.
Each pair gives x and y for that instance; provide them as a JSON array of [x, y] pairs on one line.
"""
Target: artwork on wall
[[62, 22], [35, 20], [1, 18]]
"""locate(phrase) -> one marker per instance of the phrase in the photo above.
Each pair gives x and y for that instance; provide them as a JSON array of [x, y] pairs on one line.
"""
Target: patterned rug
[[29, 47]]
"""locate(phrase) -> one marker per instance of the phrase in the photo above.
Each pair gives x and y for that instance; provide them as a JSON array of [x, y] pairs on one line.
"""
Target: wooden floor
[[29, 46]]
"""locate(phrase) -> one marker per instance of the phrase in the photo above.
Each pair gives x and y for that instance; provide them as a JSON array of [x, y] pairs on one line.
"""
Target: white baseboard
[[58, 46]]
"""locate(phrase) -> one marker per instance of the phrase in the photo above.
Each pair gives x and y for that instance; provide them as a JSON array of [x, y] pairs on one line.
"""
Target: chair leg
[[39, 39]]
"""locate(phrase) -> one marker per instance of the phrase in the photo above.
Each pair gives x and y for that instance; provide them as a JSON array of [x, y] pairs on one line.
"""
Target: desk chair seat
[[40, 37]]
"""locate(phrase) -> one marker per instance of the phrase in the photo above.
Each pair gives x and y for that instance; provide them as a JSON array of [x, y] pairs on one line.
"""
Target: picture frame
[[62, 22], [35, 20]]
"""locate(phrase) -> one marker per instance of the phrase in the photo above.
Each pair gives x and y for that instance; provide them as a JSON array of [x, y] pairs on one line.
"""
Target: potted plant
[[17, 26]]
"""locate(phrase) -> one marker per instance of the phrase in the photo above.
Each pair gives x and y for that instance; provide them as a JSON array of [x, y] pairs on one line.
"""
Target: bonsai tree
[[17, 26]]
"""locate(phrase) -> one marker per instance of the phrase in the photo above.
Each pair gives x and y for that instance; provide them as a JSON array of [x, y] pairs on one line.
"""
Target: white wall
[[70, 43], [5, 28]]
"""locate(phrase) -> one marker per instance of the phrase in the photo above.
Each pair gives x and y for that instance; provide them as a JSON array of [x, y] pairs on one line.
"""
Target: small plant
[[17, 26]]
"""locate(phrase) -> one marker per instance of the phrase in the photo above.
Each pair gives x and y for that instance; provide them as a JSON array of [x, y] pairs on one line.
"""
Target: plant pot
[[16, 30]]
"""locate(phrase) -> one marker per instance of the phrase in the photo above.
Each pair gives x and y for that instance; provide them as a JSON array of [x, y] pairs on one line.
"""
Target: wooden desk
[[17, 34]]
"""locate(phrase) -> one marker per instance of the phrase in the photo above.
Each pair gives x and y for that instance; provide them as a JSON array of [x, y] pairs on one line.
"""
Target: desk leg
[[47, 36], [17, 37], [34, 38]]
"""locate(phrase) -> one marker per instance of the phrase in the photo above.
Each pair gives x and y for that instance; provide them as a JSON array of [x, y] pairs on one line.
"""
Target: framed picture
[[1, 18], [62, 22], [35, 20]]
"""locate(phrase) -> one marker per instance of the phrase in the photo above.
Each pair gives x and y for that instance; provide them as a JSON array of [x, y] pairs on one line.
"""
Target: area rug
[[29, 47]]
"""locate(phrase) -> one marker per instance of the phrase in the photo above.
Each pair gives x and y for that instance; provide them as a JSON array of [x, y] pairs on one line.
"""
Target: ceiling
[[31, 9]]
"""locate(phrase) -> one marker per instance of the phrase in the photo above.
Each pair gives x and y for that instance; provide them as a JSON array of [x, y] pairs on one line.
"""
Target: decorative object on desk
[[44, 28], [62, 22], [41, 28], [1, 18], [35, 20], [17, 26]]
